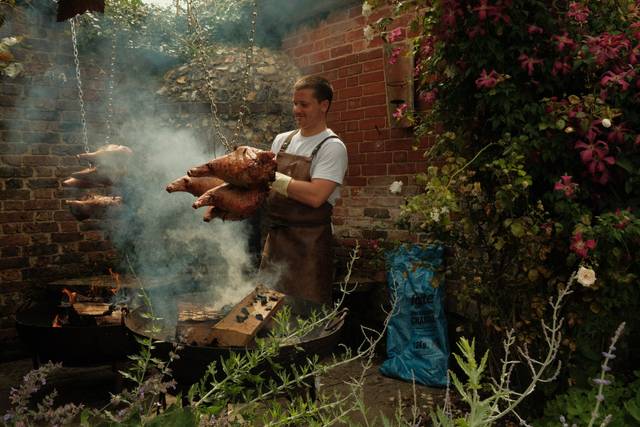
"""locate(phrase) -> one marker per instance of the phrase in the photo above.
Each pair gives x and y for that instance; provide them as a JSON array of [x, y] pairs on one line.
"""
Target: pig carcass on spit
[[215, 212], [80, 183], [234, 200], [110, 155], [98, 177], [93, 207], [245, 167], [193, 185]]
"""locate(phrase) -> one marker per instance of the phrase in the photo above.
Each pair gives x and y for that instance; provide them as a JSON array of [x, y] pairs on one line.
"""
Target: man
[[312, 162]]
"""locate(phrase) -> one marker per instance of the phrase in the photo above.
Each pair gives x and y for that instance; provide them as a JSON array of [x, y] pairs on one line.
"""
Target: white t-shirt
[[330, 162]]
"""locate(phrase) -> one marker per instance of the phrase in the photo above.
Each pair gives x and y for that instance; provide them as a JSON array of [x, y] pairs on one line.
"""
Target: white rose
[[366, 9], [396, 187], [606, 123], [368, 33], [586, 277]]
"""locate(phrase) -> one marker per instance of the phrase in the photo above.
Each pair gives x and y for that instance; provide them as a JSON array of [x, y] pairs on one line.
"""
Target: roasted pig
[[237, 201], [97, 177], [110, 154], [245, 167], [80, 183], [193, 185], [93, 207], [214, 212]]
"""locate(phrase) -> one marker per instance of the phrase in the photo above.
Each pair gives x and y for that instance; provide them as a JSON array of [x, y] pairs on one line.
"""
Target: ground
[[91, 386]]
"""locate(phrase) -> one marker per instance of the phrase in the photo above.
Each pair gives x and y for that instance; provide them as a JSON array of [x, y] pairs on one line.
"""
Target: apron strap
[[287, 141]]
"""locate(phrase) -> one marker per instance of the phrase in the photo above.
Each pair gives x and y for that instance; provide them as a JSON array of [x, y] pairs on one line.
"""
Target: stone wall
[[379, 153]]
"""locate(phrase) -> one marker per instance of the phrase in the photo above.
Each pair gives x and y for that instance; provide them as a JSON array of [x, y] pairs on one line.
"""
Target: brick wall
[[378, 153], [40, 133]]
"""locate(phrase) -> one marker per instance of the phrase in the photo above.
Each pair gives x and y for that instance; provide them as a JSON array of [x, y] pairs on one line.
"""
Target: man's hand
[[281, 184]]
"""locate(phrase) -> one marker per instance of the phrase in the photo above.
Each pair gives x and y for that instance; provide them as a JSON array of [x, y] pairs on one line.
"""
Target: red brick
[[353, 81], [321, 56], [334, 41], [303, 50], [374, 65], [338, 106], [341, 51], [354, 170], [398, 144], [371, 170], [333, 116], [400, 157], [349, 137], [375, 76], [339, 127], [376, 88], [368, 147], [415, 156], [370, 100], [312, 69], [351, 92], [351, 59], [357, 159], [377, 111], [15, 240], [355, 11], [359, 45], [350, 70], [339, 84], [13, 205], [402, 168], [352, 115], [41, 205], [376, 134], [353, 104], [333, 64], [356, 181], [353, 126], [377, 122], [378, 158], [318, 45], [354, 35], [370, 54], [330, 75]]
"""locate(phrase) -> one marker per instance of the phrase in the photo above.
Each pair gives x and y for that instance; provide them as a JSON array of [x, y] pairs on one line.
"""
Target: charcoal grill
[[88, 341], [194, 360]]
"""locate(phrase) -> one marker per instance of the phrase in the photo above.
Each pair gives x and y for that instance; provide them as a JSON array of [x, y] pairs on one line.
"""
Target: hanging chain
[[83, 117], [209, 77], [112, 73]]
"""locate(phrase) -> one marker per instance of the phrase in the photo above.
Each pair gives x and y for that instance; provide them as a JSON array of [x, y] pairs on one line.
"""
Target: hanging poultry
[[94, 206], [245, 167], [193, 185], [234, 200]]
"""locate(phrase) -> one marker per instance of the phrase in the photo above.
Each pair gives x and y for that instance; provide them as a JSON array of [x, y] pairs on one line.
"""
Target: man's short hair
[[321, 87]]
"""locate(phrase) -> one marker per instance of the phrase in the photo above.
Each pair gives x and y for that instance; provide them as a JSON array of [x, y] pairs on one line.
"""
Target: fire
[[56, 322], [71, 295], [116, 279]]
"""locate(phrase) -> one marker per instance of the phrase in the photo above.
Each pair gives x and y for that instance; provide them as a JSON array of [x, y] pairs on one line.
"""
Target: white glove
[[281, 183]]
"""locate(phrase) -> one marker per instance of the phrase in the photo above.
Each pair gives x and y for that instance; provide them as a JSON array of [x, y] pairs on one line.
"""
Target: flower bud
[[606, 123]]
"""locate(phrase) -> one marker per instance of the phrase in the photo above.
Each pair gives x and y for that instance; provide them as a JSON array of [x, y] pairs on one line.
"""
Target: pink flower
[[612, 78], [394, 35], [625, 219], [607, 46], [400, 111], [395, 53], [534, 29], [595, 157], [484, 10], [429, 97], [476, 31], [578, 12], [564, 41], [580, 246], [487, 80], [616, 136], [566, 186], [528, 63], [561, 66]]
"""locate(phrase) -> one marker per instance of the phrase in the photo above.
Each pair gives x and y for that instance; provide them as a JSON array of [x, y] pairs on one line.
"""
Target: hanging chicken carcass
[[94, 206], [245, 167], [194, 185], [234, 200]]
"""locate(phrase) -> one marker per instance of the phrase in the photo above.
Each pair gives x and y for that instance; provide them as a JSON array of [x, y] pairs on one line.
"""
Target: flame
[[56, 321], [71, 295], [116, 278]]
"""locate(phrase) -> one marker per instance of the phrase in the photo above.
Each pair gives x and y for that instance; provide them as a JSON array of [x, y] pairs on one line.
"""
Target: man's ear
[[324, 105]]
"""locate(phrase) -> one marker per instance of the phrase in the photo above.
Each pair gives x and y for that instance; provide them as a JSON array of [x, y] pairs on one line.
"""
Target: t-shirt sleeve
[[277, 143], [330, 162]]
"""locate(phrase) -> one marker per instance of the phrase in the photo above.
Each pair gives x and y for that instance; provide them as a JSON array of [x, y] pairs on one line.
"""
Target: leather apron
[[298, 252]]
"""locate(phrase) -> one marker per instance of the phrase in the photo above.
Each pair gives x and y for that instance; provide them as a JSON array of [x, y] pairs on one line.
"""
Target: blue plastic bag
[[417, 344]]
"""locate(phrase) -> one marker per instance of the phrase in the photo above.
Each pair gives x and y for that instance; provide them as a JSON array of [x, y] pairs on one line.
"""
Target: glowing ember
[[56, 321], [71, 295], [116, 279]]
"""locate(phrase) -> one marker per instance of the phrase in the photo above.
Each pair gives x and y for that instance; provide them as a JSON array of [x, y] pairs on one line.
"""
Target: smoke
[[164, 238]]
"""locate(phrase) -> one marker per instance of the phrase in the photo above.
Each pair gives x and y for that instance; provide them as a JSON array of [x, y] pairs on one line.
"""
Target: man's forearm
[[313, 193]]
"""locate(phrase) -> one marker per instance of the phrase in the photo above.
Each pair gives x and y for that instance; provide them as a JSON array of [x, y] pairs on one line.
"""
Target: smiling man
[[312, 162]]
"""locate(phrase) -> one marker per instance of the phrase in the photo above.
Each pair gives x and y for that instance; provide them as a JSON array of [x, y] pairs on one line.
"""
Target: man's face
[[307, 110]]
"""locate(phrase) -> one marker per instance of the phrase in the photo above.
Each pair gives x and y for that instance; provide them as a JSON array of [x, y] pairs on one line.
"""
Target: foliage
[[532, 109]]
